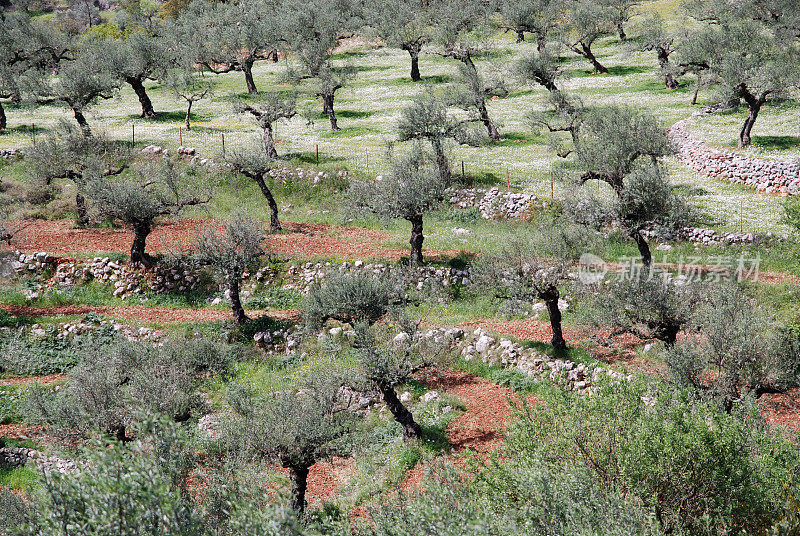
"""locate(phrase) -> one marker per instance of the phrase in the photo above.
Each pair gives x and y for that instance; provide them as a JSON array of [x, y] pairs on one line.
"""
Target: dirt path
[[141, 313], [300, 240]]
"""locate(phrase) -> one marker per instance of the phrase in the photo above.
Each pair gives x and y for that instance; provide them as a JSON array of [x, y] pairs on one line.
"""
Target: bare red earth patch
[[142, 313], [301, 240], [27, 380], [487, 405], [782, 409]]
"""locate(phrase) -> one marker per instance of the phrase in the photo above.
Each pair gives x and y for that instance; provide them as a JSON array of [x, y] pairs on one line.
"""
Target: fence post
[[317, 150], [33, 132], [223, 145], [180, 136]]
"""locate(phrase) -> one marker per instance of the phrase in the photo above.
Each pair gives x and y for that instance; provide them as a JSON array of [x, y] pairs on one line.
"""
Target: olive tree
[[539, 17], [256, 166], [426, 118], [69, 153], [234, 35], [460, 36], [84, 80], [654, 37], [27, 50], [540, 68], [748, 58], [470, 90], [535, 267], [268, 109], [312, 28], [404, 25], [113, 383], [586, 22], [139, 56], [190, 87], [620, 13], [154, 190], [295, 427], [412, 189], [738, 350], [645, 304], [621, 147], [231, 249]]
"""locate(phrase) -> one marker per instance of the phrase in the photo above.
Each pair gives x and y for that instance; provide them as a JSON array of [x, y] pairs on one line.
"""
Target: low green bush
[[696, 468]]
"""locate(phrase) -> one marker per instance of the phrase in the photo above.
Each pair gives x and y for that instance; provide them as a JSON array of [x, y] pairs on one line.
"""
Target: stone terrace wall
[[769, 176]]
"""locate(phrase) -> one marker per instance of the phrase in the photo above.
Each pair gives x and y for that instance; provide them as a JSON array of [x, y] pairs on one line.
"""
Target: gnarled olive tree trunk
[[745, 136], [274, 222], [247, 69], [81, 212], [441, 160], [416, 240], [144, 100], [551, 298], [586, 51], [3, 120], [141, 231], [188, 114], [81, 120], [663, 62], [236, 302], [327, 106], [411, 429], [643, 246], [269, 141], [413, 50], [298, 475], [494, 134]]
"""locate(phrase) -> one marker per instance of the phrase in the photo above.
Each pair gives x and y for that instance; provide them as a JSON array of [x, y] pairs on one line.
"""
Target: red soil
[[480, 427], [32, 379], [488, 406], [782, 409], [21, 431], [300, 240], [141, 313]]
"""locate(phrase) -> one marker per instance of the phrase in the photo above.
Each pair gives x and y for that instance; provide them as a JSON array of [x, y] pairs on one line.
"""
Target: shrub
[[111, 385], [24, 355], [507, 499], [350, 297], [696, 468], [142, 489], [738, 352]]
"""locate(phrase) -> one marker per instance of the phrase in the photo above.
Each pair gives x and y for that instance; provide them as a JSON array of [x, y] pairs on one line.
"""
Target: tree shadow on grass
[[23, 129], [171, 117], [346, 114], [310, 157], [624, 70], [779, 143]]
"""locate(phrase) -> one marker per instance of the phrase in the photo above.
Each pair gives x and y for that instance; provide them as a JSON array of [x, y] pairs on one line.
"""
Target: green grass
[[21, 478]]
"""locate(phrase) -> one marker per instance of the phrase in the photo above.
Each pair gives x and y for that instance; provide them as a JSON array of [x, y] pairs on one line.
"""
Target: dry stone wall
[[768, 176]]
